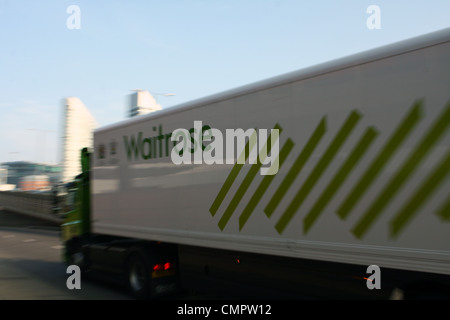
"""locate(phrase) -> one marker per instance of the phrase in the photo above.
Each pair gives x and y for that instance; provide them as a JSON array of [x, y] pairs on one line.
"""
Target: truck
[[327, 182]]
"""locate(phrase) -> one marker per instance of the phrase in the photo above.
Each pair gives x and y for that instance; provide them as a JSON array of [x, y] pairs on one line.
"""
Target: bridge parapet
[[40, 205]]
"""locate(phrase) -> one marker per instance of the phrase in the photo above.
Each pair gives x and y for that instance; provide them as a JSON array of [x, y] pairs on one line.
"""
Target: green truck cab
[[146, 268]]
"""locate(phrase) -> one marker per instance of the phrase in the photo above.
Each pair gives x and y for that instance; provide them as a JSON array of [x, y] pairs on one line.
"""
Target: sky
[[191, 48]]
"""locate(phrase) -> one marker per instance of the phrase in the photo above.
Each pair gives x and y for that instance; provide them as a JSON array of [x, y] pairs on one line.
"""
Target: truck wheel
[[75, 255], [77, 258], [138, 276]]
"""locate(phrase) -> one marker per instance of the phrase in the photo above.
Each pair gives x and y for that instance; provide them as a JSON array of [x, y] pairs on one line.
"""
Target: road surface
[[31, 266]]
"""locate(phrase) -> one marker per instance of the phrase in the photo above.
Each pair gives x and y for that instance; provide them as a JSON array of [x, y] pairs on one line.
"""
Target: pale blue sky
[[192, 48]]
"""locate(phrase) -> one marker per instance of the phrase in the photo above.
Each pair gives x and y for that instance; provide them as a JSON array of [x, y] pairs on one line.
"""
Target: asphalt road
[[31, 265]]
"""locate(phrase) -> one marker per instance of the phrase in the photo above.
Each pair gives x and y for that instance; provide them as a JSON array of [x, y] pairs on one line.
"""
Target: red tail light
[[162, 266], [158, 267]]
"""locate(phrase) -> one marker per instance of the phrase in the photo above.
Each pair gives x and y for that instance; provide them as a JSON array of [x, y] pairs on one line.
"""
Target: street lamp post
[[161, 94]]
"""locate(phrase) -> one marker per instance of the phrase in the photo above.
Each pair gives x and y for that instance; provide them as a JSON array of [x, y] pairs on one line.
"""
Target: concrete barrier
[[43, 206]]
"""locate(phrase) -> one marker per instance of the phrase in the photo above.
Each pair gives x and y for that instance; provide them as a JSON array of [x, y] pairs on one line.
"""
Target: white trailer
[[362, 176]]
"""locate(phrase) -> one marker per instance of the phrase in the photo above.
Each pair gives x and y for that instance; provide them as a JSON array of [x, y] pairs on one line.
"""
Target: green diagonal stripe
[[244, 185], [296, 167], [420, 196], [230, 179], [263, 186], [329, 154], [398, 180], [380, 161], [339, 178], [444, 210]]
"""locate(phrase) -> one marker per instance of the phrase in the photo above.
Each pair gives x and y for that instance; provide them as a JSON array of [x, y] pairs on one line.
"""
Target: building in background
[[4, 186], [14, 171], [78, 128], [142, 102], [35, 183], [3, 175]]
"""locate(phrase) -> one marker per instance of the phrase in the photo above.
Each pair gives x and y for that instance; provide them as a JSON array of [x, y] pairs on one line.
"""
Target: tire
[[74, 255], [138, 276], [77, 258]]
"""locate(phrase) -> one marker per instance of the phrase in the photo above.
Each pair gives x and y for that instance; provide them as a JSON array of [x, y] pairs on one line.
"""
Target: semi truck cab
[[146, 268]]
